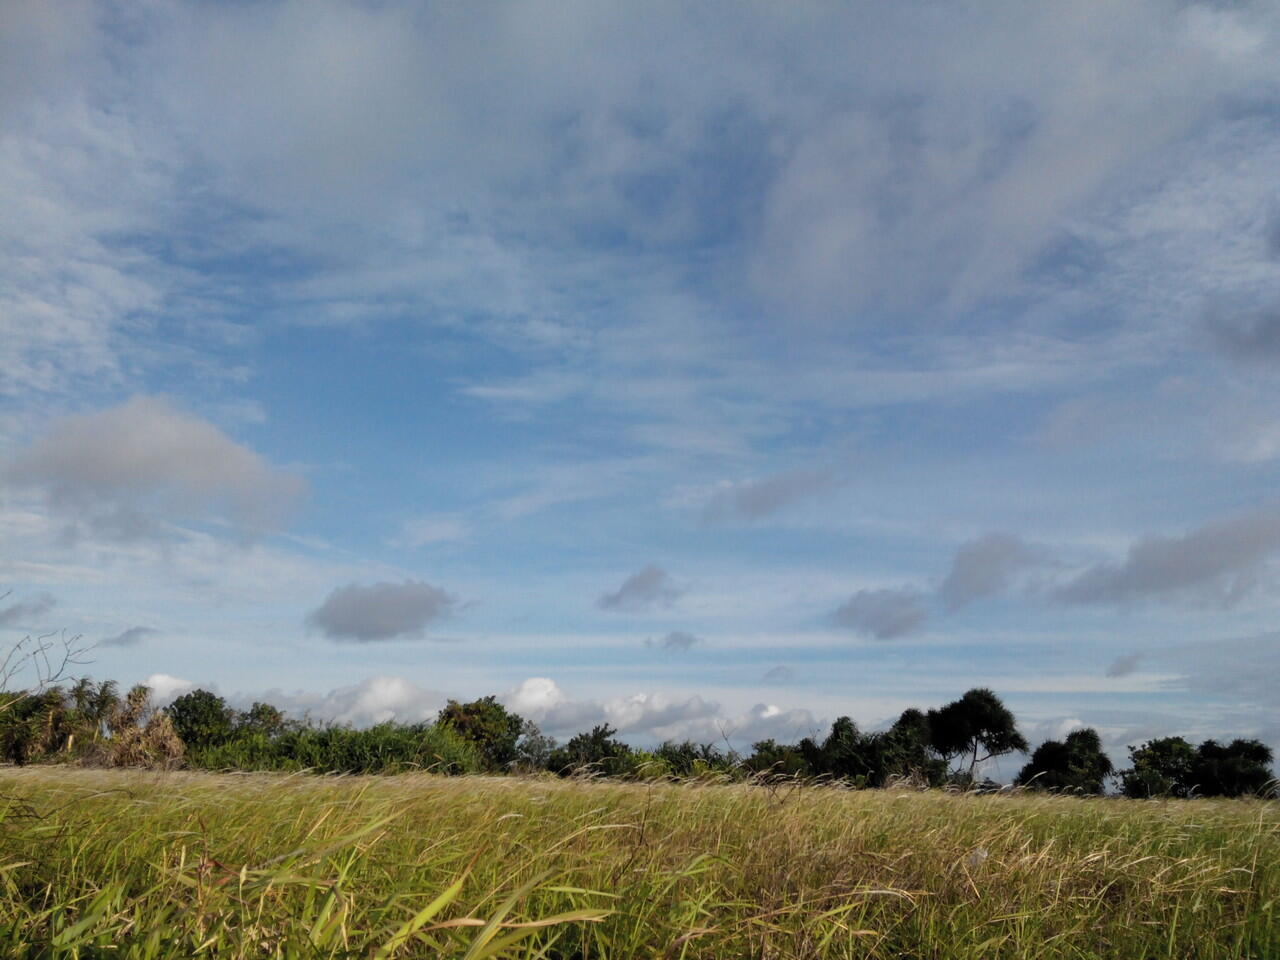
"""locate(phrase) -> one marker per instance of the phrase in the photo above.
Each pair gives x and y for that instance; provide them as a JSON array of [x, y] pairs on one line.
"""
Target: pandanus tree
[[978, 726]]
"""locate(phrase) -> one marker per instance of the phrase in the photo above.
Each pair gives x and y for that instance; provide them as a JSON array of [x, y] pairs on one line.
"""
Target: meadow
[[128, 863]]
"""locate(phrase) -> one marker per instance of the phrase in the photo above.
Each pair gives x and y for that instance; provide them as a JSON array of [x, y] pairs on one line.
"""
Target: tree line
[[93, 723]]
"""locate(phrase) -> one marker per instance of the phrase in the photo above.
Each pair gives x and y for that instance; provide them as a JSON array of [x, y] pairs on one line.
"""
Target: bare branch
[[34, 664]]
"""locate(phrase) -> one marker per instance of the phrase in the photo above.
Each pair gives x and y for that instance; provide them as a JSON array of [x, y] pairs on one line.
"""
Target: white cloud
[[654, 717], [534, 697], [371, 701], [165, 688]]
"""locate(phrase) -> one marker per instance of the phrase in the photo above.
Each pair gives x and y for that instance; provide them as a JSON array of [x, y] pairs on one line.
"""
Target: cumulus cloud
[[22, 612], [985, 566], [541, 700], [885, 613], [166, 688], [128, 638], [1220, 561], [647, 589], [123, 471], [653, 717], [675, 640], [371, 701], [753, 499], [380, 611], [534, 697]]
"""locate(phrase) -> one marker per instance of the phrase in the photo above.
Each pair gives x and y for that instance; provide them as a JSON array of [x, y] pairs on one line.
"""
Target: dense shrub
[[385, 748]]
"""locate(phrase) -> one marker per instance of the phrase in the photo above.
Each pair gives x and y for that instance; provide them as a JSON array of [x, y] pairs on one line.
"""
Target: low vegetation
[[134, 864], [91, 724]]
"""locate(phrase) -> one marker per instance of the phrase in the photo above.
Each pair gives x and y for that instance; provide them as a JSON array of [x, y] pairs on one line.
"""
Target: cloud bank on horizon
[[717, 369]]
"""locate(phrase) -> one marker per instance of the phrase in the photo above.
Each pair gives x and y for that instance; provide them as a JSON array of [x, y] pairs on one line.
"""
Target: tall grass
[[129, 864]]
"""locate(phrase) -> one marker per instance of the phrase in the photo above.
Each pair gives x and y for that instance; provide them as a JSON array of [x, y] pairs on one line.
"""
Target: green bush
[[385, 748]]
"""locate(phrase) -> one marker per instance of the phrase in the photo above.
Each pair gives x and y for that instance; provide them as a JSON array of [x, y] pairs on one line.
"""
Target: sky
[[708, 370]]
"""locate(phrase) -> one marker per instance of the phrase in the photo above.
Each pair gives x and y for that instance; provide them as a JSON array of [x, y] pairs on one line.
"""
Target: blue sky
[[710, 371]]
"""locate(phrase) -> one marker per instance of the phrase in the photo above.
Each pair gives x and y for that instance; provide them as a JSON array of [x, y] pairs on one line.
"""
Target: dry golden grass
[[121, 864]]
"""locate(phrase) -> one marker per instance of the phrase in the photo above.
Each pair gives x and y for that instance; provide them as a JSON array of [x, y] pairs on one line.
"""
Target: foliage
[[687, 759], [91, 724], [138, 736], [533, 749], [1076, 764], [1164, 767], [202, 719], [1172, 767], [261, 718], [902, 752], [385, 748], [976, 723], [1241, 768], [34, 724], [493, 729], [771, 760], [595, 752], [424, 866]]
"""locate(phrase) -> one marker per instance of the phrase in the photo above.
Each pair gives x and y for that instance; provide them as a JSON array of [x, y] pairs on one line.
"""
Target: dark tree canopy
[[978, 726], [1172, 767], [1077, 764], [1240, 768]]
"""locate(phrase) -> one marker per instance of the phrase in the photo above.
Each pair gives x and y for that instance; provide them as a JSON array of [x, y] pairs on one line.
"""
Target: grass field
[[127, 864]]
